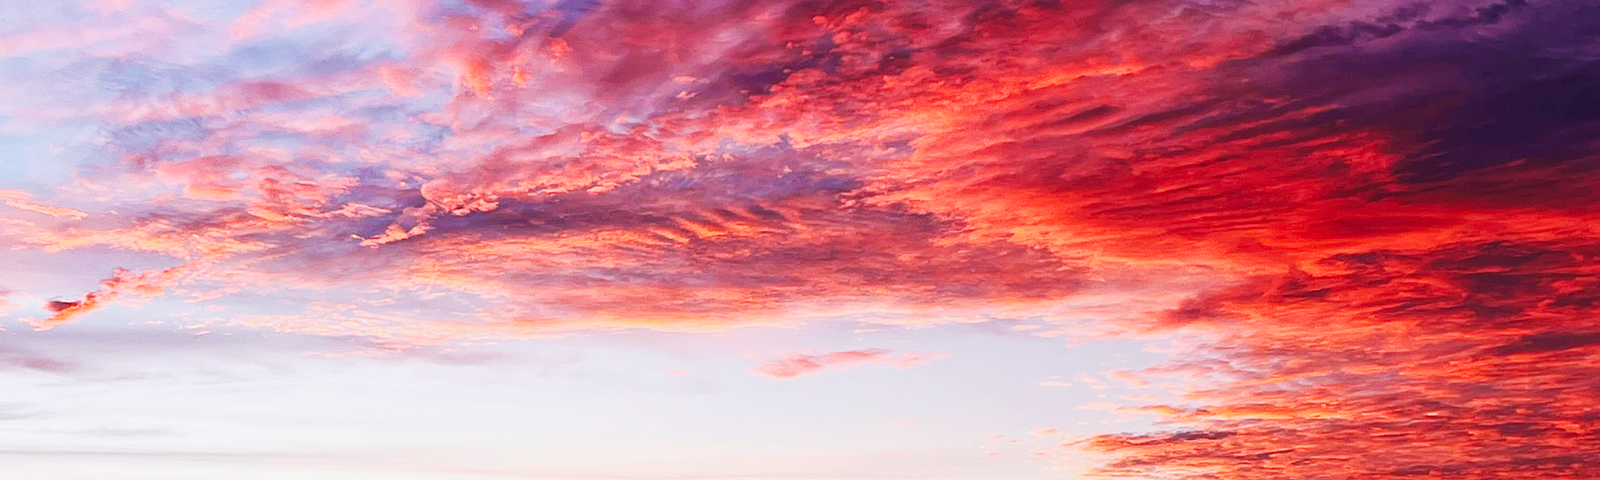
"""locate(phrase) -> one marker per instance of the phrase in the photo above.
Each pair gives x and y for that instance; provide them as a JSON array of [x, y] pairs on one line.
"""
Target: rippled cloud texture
[[1374, 222]]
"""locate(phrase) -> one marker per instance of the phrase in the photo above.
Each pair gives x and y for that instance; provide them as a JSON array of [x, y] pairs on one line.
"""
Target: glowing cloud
[[1375, 224]]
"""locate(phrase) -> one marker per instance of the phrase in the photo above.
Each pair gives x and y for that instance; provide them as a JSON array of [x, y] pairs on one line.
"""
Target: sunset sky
[[799, 239]]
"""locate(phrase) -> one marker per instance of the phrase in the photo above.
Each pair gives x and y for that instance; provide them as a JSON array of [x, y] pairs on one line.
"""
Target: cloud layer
[[1379, 218]]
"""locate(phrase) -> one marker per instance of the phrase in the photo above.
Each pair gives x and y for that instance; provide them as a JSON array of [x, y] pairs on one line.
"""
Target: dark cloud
[[1548, 342]]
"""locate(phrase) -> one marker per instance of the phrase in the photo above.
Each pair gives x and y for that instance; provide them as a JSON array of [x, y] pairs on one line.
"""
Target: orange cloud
[[122, 283], [19, 200]]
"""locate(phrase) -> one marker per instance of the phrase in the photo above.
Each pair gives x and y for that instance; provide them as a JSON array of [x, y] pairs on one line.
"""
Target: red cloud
[[1471, 360], [1382, 216]]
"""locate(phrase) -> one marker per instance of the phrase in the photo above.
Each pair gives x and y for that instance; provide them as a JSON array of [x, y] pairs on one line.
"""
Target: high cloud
[[1379, 217]]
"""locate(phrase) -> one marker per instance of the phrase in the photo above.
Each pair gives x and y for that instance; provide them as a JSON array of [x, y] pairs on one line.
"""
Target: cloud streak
[[804, 364]]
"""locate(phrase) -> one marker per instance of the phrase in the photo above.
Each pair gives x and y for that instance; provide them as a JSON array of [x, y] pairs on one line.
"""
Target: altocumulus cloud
[[1380, 216]]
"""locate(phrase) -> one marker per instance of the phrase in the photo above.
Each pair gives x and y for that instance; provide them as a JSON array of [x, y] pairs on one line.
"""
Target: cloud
[[22, 359], [1377, 218], [1475, 346], [803, 364], [123, 283], [19, 200]]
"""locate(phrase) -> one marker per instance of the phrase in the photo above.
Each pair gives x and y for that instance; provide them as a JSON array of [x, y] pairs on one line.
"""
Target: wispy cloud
[[802, 364]]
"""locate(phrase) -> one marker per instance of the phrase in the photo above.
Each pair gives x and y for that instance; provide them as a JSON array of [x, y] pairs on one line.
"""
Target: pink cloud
[[123, 283], [19, 199], [802, 364]]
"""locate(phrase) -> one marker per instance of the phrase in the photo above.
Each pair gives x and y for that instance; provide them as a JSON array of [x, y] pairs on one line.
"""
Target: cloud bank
[[1380, 216]]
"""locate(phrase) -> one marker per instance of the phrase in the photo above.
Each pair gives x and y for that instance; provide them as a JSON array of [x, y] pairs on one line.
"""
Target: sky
[[799, 239]]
